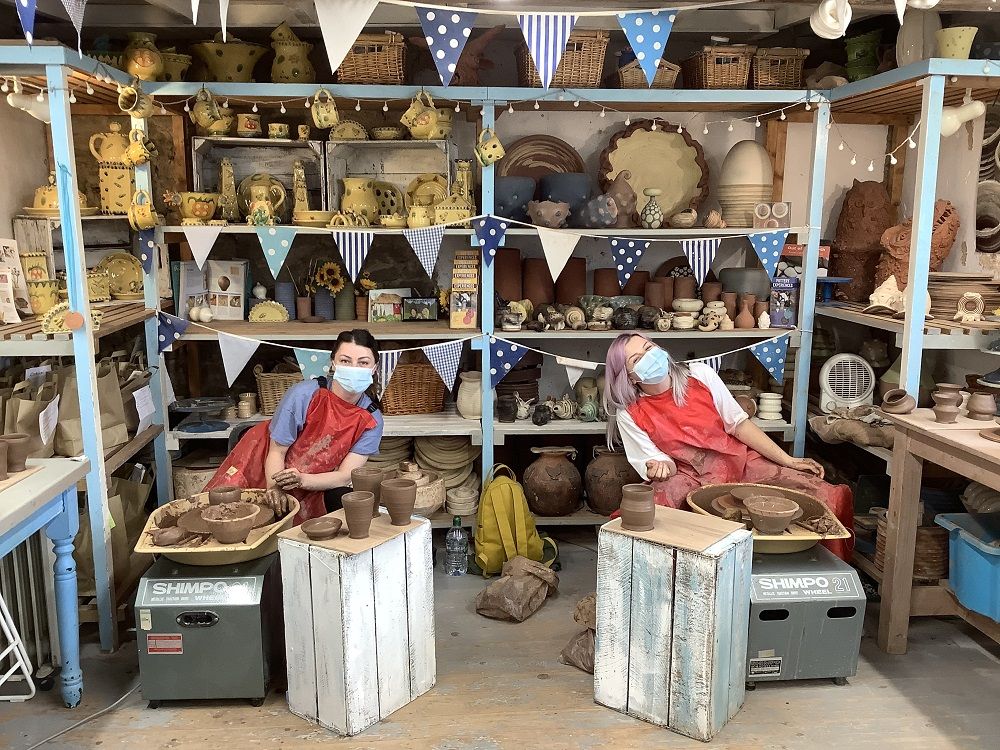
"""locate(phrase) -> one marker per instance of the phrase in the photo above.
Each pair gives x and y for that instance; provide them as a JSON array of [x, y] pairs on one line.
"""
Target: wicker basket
[[778, 68], [414, 389], [375, 58], [580, 67], [632, 77], [719, 67], [271, 386]]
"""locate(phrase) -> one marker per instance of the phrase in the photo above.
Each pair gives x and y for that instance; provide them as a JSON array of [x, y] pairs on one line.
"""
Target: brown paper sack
[[521, 589], [69, 432], [579, 652], [21, 414], [83, 549]]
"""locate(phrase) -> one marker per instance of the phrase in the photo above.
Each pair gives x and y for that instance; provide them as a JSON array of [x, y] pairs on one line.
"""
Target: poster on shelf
[[227, 288], [8, 310], [10, 260], [190, 286], [386, 305], [784, 304]]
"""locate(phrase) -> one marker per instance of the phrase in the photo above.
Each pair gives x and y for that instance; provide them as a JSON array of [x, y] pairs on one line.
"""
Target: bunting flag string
[[275, 242], [490, 231], [341, 22], [26, 14], [354, 246], [201, 240], [236, 352], [558, 248], [771, 354], [504, 355], [446, 32], [148, 248], [169, 328], [769, 246], [546, 35], [426, 243], [75, 10], [714, 362], [314, 363], [387, 362], [700, 254], [445, 359], [647, 33], [575, 368], [626, 254]]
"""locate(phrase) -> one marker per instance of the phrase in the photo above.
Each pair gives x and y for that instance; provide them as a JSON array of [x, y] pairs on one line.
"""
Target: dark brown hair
[[363, 337]]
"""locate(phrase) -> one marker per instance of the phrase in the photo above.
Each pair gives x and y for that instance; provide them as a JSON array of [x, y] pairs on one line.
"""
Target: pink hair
[[619, 390]]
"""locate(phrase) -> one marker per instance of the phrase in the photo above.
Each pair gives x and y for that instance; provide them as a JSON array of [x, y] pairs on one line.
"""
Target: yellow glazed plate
[[54, 212], [125, 271], [349, 130], [268, 312], [390, 198], [427, 189]]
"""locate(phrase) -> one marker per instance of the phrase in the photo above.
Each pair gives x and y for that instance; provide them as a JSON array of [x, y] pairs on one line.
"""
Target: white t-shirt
[[640, 448]]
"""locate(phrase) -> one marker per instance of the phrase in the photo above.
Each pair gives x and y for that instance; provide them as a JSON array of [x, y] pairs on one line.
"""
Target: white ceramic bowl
[[686, 305]]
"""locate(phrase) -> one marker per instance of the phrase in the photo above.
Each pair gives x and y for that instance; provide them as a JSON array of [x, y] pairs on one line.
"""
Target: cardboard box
[[784, 307], [793, 252], [465, 289], [227, 288]]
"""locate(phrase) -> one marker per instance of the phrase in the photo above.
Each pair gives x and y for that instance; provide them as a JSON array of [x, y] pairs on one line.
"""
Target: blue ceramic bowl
[[511, 196], [566, 187]]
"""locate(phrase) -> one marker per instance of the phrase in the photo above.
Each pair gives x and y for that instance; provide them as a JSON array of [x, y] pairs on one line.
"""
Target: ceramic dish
[[426, 189], [392, 221], [268, 312], [538, 155], [311, 218], [388, 133], [662, 159], [390, 198], [125, 273], [348, 130], [54, 212], [132, 297]]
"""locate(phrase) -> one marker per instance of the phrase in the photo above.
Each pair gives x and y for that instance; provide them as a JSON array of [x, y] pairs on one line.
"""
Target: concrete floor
[[501, 685]]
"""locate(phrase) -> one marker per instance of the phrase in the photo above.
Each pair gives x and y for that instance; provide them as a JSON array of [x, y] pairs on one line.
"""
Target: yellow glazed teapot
[[109, 146], [205, 111]]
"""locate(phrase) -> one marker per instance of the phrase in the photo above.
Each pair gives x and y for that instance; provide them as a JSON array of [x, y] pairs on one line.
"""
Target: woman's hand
[[659, 471], [291, 479], [805, 464], [277, 500]]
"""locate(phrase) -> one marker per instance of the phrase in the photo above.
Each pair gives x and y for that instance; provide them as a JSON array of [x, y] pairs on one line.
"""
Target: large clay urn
[[552, 484], [604, 478]]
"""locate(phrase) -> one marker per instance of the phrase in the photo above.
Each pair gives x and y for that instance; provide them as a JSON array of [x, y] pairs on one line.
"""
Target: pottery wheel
[[993, 434], [193, 522]]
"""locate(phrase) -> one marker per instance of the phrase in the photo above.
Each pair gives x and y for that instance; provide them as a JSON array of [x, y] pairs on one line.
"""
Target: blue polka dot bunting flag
[[446, 32], [275, 242], [769, 246], [169, 328], [314, 363], [490, 231], [504, 355], [647, 33], [626, 254], [148, 248], [26, 14], [354, 247], [771, 354], [546, 35], [700, 254]]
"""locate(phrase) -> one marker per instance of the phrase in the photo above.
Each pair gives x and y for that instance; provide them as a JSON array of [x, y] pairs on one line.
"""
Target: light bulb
[[841, 146], [254, 107], [5, 87], [893, 159], [854, 160], [72, 98], [871, 166], [757, 123], [40, 97], [163, 110], [225, 103], [628, 121], [730, 128], [654, 125], [783, 115], [808, 106], [283, 110], [680, 129], [457, 108], [357, 107], [910, 142], [536, 104], [510, 109], [704, 130], [90, 89], [308, 103], [576, 103], [187, 107], [603, 113], [385, 106]]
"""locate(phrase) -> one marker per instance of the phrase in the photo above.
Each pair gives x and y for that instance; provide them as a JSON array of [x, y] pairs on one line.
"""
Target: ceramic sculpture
[[895, 260], [866, 214]]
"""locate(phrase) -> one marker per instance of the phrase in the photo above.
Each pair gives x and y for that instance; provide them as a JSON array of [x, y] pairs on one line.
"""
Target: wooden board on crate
[[13, 479]]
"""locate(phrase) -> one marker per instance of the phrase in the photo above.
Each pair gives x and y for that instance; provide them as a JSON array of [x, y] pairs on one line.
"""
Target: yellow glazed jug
[[324, 110], [359, 198]]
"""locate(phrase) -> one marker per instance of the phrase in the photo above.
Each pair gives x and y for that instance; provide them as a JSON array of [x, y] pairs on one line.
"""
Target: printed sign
[[764, 667], [835, 586], [165, 643]]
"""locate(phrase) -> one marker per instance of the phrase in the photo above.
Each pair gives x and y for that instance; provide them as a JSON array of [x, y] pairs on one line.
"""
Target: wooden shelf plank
[[938, 332], [694, 334], [328, 331], [26, 339], [117, 457]]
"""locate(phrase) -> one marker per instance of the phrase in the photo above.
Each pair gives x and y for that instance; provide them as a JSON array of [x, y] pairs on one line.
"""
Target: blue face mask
[[353, 379], [653, 366]]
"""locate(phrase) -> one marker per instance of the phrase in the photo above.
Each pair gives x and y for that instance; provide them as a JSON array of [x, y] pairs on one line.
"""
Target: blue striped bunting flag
[[626, 254], [647, 33], [354, 246], [314, 363], [546, 35], [445, 359], [771, 354], [26, 14], [769, 246], [700, 254], [504, 355], [446, 32], [387, 362], [714, 362], [426, 243], [275, 242]]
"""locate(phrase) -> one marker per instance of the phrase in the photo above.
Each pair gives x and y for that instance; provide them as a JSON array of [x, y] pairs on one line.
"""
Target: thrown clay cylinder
[[606, 282], [638, 509], [981, 406], [654, 294], [685, 287], [358, 512], [947, 394], [572, 282], [711, 291], [227, 493], [537, 282], [667, 282], [729, 299], [3, 460], [17, 450], [898, 401], [636, 284], [399, 496], [369, 479]]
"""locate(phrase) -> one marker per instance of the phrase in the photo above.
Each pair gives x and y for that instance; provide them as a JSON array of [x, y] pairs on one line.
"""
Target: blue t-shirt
[[290, 417]]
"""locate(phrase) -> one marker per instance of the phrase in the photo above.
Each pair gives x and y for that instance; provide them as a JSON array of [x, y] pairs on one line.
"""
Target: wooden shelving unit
[[297, 331]]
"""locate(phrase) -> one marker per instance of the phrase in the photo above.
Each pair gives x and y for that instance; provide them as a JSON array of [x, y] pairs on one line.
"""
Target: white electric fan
[[845, 380]]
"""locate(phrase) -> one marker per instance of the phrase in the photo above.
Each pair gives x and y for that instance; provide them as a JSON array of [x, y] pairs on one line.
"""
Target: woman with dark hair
[[321, 431], [682, 429]]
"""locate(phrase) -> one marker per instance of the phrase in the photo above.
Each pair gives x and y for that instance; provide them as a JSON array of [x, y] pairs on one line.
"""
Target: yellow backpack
[[505, 528]]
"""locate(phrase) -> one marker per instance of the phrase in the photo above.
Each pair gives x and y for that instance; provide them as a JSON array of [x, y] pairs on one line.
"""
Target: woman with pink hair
[[681, 429]]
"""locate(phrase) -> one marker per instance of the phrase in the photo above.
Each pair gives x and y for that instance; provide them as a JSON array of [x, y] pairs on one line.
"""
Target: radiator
[[26, 583]]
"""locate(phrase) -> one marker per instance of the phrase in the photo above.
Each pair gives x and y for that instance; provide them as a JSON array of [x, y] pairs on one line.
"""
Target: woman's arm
[[290, 479], [650, 462], [751, 435]]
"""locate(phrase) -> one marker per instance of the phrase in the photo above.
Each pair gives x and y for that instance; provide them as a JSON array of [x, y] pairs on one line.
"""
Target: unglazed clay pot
[[369, 479], [470, 395], [605, 282], [507, 408], [537, 282], [711, 291], [604, 478], [685, 287], [225, 494], [667, 284], [552, 484], [230, 523], [898, 401], [358, 512], [745, 319], [399, 496], [638, 509], [981, 406], [17, 450], [729, 300], [947, 393], [771, 515]]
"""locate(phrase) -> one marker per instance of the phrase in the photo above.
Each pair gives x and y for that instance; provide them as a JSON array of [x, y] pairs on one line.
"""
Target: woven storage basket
[[632, 77], [778, 68], [580, 67], [719, 67], [414, 389], [375, 58], [271, 386]]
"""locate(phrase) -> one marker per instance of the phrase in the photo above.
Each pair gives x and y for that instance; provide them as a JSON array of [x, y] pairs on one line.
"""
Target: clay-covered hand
[[659, 471], [805, 464], [288, 479], [277, 500]]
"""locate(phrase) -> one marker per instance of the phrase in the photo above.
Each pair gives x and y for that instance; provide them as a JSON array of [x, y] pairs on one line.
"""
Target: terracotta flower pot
[[898, 401], [604, 478], [572, 282], [636, 285], [17, 450], [230, 523], [358, 512], [667, 284], [507, 273], [537, 282], [303, 307], [638, 509], [361, 308], [399, 496], [759, 308], [225, 494], [654, 294], [369, 479], [711, 291], [606, 282]]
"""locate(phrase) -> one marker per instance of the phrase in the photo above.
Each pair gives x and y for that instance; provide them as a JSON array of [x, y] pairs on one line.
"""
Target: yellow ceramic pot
[[141, 57], [359, 198], [43, 295], [35, 266], [420, 216], [99, 286], [117, 185], [196, 207], [109, 146], [175, 65], [231, 61]]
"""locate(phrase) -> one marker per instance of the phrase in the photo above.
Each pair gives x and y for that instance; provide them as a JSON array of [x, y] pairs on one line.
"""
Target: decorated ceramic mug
[[303, 132], [42, 295], [140, 148], [248, 126], [132, 101], [277, 130], [141, 214], [488, 148], [324, 110]]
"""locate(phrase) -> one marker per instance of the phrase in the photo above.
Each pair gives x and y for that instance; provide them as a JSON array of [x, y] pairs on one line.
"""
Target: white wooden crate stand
[[673, 608], [359, 623]]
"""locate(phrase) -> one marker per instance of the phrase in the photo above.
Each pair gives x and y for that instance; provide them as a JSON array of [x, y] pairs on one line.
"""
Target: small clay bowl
[[225, 494], [321, 528], [742, 494], [230, 523], [771, 514]]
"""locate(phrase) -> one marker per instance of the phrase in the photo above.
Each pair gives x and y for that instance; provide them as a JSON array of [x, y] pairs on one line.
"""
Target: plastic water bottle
[[456, 548]]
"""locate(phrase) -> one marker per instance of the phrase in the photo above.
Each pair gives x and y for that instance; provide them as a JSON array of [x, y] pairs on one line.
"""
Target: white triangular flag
[[201, 240], [194, 11], [223, 16], [341, 21], [574, 374], [236, 352], [575, 368], [546, 35], [900, 9], [558, 247]]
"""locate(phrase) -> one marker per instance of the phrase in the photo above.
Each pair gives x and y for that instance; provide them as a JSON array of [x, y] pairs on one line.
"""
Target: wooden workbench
[[959, 448]]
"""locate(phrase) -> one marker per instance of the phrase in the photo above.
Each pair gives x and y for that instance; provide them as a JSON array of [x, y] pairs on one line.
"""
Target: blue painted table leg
[[62, 530]]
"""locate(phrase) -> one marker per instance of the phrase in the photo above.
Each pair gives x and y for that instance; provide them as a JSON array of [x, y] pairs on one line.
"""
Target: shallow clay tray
[[795, 539], [262, 541]]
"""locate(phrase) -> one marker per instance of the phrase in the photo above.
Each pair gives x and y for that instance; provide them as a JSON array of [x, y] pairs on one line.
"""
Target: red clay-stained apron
[[694, 436], [331, 429]]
